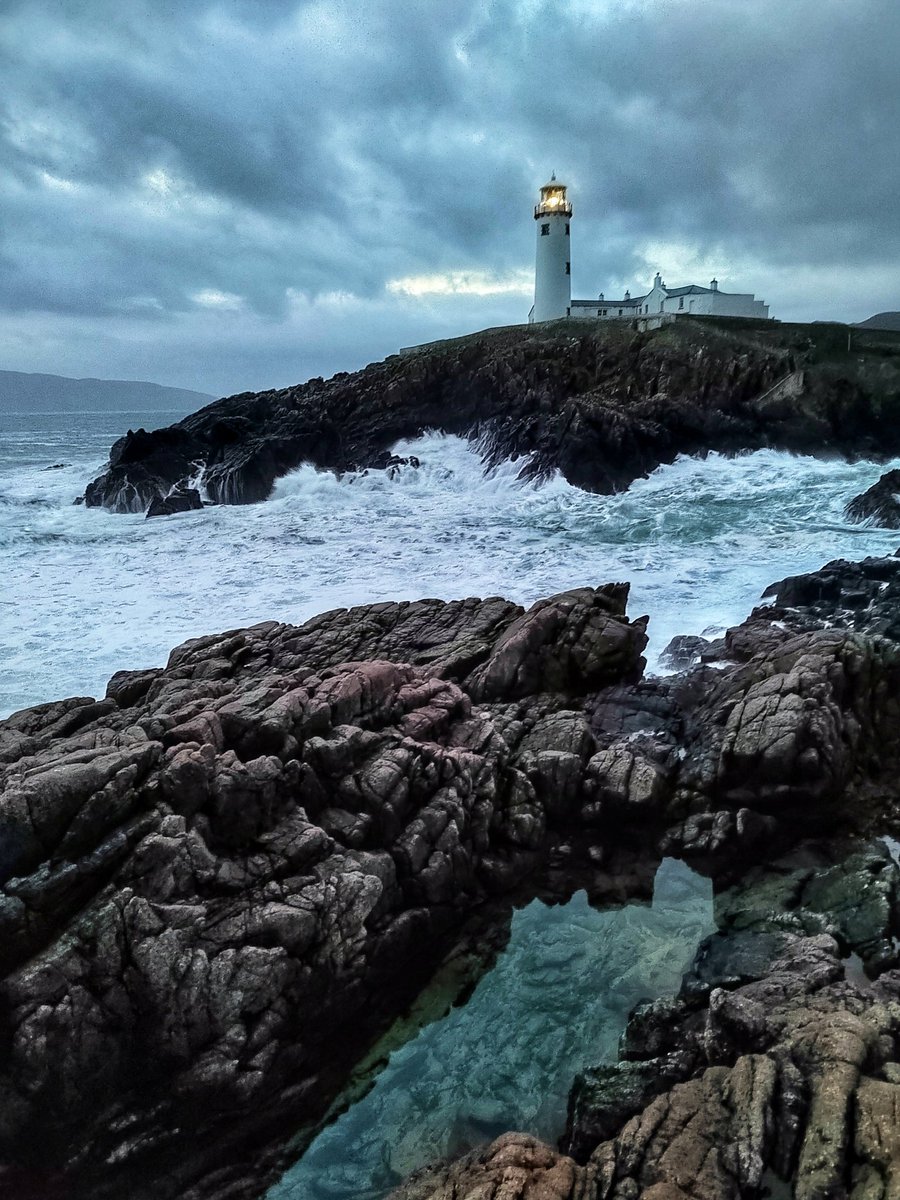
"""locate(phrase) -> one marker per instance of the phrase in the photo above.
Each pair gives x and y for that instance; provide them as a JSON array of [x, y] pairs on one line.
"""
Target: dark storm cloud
[[271, 120], [161, 159], [766, 125]]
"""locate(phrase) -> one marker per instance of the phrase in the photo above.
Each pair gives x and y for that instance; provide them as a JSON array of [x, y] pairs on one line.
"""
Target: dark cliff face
[[604, 405]]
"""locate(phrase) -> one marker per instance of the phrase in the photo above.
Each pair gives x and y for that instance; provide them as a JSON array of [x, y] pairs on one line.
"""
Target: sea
[[87, 592]]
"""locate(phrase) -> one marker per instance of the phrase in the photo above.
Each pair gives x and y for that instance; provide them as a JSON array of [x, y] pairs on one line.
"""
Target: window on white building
[[545, 229], [568, 268]]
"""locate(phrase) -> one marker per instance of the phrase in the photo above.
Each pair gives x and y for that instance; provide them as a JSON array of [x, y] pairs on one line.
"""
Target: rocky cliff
[[222, 882], [602, 404]]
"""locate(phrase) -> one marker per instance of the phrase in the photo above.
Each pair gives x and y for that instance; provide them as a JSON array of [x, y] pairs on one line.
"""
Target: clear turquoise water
[[556, 1001]]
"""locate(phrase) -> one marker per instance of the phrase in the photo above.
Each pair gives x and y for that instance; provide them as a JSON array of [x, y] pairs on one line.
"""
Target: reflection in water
[[556, 1001]]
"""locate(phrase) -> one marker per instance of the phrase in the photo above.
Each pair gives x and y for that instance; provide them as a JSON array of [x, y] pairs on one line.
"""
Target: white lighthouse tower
[[552, 267]]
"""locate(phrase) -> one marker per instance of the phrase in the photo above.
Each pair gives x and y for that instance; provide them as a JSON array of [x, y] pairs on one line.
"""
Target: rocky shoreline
[[773, 1072], [602, 405], [223, 881]]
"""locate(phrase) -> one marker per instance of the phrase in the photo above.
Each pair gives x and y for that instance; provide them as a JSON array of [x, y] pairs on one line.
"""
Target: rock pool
[[555, 1001]]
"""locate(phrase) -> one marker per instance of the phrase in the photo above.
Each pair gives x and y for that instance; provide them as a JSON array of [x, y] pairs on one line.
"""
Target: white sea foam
[[89, 592]]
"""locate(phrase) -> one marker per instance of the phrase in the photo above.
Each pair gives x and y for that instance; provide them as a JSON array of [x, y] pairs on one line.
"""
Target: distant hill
[[885, 320], [23, 391]]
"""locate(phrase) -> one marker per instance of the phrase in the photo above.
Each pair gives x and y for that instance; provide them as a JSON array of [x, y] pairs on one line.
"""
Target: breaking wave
[[698, 540]]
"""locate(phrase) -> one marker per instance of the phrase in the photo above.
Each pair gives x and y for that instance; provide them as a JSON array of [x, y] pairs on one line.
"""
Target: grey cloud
[[330, 147], [758, 122]]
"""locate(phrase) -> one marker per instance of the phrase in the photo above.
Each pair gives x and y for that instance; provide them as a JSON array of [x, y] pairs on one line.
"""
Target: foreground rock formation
[[774, 1071], [602, 404], [223, 881]]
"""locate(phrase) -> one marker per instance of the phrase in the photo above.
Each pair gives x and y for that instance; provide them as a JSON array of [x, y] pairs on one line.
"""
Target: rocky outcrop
[[602, 404], [178, 501], [862, 596], [773, 1071], [788, 718], [880, 504], [776, 1068], [222, 882]]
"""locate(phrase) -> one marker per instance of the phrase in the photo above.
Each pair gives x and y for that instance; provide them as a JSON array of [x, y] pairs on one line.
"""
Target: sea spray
[[91, 592]]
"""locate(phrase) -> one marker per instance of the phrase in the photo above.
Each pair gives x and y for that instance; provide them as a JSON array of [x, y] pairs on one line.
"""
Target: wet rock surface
[[603, 406], [178, 501], [224, 880], [774, 1067], [880, 503], [862, 596]]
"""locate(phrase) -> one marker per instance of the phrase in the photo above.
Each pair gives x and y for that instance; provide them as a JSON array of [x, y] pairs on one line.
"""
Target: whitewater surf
[[96, 592]]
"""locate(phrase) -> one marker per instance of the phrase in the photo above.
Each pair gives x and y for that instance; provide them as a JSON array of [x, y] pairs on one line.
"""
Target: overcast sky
[[241, 194]]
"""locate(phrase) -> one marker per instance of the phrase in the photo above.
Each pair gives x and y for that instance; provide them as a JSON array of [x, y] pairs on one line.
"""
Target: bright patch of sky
[[464, 283]]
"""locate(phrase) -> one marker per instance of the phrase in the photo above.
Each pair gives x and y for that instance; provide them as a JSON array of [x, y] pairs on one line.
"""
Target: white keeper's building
[[553, 279]]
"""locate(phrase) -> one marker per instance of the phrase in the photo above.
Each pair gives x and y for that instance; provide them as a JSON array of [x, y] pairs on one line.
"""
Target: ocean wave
[[698, 539]]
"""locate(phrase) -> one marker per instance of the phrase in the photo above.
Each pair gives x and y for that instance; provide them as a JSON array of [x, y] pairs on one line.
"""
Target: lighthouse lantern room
[[661, 304], [552, 274]]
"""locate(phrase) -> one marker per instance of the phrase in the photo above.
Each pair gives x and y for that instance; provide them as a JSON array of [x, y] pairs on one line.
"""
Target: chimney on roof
[[714, 285], [657, 280], [600, 297], [628, 295]]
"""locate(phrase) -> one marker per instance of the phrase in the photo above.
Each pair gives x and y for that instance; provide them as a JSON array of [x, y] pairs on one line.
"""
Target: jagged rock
[[603, 405], [604, 1098], [565, 644], [779, 1049], [143, 467], [684, 650], [514, 1167], [178, 501], [221, 883], [880, 503], [775, 1067], [861, 596], [733, 760]]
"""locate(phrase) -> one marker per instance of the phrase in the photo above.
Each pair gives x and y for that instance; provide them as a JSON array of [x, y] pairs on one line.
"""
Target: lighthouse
[[553, 262]]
